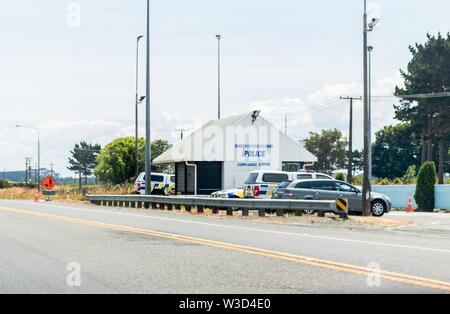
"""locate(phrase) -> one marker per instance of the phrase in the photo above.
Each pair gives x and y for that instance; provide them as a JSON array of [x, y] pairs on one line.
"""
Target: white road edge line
[[254, 229]]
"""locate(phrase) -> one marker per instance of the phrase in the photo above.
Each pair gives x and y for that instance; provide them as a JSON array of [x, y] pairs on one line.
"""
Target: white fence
[[399, 195]]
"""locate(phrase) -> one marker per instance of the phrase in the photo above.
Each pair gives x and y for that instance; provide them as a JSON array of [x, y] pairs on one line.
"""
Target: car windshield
[[284, 184], [251, 178]]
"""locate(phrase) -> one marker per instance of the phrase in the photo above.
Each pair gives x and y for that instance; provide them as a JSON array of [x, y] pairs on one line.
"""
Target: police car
[[231, 193], [262, 183], [162, 184]]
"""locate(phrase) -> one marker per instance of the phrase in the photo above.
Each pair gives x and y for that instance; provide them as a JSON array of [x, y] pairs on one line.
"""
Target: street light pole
[[39, 153], [148, 159], [369, 92], [219, 37], [136, 104], [367, 185], [366, 181]]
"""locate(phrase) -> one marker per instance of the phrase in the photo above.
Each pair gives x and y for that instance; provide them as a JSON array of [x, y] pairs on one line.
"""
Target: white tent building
[[220, 154]]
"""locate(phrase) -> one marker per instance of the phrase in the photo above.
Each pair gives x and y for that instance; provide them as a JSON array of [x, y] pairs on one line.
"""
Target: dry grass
[[65, 192]]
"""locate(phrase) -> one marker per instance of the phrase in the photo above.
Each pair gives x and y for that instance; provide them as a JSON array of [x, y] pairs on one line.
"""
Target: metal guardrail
[[281, 207]]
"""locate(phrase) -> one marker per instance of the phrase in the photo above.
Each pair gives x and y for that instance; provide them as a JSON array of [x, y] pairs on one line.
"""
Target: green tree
[[158, 147], [426, 179], [340, 177], [358, 160], [84, 159], [410, 175], [116, 162], [394, 150], [329, 146], [428, 72]]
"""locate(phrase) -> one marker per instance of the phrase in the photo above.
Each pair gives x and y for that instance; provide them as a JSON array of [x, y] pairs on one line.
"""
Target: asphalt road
[[67, 248]]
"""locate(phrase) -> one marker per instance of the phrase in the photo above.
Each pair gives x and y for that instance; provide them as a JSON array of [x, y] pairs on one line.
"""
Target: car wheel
[[378, 208]]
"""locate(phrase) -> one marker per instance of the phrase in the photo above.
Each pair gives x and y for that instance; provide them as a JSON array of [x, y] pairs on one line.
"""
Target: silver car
[[332, 190]]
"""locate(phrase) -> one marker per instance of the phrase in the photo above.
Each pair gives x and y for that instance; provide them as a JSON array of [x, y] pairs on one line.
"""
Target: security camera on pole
[[367, 187]]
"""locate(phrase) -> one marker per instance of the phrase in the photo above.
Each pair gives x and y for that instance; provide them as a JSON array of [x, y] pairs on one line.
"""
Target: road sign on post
[[49, 183]]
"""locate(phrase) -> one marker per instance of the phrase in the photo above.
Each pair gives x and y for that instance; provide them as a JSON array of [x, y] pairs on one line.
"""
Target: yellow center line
[[365, 271]]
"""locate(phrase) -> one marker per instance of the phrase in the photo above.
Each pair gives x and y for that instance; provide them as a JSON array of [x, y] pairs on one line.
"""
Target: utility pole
[[148, 151], [51, 169], [219, 37], [27, 169], [367, 185], [350, 140], [181, 132], [39, 153]]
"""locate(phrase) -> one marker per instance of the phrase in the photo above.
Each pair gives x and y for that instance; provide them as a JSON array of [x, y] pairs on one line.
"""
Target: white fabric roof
[[191, 148]]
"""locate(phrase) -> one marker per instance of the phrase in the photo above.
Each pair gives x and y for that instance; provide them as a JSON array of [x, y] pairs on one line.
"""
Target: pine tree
[[426, 180]]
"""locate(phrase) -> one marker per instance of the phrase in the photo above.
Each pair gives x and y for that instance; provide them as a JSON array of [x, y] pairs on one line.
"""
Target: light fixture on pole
[[137, 101], [38, 153], [219, 37]]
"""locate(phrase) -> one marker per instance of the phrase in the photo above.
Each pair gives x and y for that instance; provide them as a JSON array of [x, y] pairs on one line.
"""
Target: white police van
[[262, 183], [162, 184]]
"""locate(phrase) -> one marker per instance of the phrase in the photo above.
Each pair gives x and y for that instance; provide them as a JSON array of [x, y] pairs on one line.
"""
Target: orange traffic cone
[[410, 207], [36, 196]]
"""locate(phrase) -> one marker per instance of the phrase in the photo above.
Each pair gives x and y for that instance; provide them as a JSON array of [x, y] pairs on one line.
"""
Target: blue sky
[[77, 83]]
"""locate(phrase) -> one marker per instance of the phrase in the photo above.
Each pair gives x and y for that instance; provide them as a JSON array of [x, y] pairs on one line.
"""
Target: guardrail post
[[187, 208], [245, 212], [321, 214], [343, 216], [169, 206], [280, 212], [146, 205], [229, 211], [138, 204], [261, 212], [298, 212], [133, 205], [200, 209], [215, 210]]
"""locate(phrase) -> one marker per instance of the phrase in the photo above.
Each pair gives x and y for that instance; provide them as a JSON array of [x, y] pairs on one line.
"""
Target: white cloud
[[323, 109]]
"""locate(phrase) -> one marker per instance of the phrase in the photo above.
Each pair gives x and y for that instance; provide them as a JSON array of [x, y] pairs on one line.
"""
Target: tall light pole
[[367, 186], [219, 37], [38, 153], [136, 104], [369, 92], [148, 151]]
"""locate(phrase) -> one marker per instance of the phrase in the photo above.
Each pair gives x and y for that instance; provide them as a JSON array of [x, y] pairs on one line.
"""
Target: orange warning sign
[[49, 183]]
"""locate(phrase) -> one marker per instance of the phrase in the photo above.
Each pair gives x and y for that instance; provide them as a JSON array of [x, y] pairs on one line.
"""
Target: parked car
[[280, 188], [332, 190], [262, 183], [162, 184], [231, 193]]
